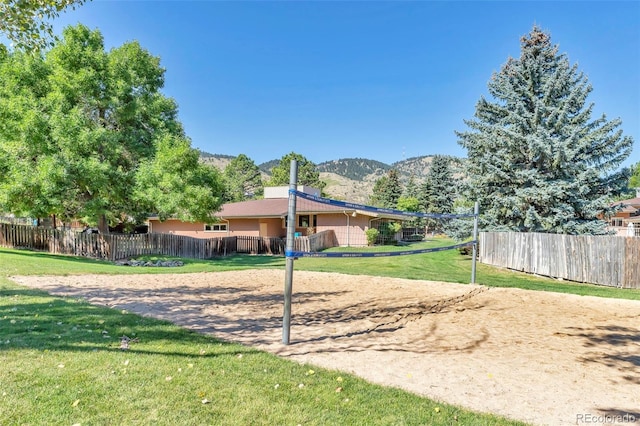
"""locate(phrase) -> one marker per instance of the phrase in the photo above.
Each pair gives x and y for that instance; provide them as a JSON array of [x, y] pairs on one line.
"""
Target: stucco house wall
[[266, 218], [178, 227], [349, 230], [627, 220]]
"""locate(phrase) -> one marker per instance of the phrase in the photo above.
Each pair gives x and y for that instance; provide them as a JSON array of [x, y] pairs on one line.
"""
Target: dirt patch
[[544, 358]]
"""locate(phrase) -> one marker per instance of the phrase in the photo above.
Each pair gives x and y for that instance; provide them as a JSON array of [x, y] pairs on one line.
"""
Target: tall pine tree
[[438, 190], [537, 162], [387, 191]]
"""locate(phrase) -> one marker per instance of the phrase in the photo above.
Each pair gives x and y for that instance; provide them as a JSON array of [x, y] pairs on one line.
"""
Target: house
[[267, 217], [626, 221]]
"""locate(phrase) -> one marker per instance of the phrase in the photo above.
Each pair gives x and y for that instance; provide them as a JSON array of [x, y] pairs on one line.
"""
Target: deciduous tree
[[243, 179], [634, 180], [307, 172], [26, 22], [85, 132]]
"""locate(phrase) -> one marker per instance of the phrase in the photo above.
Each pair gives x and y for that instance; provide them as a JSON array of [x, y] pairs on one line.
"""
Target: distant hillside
[[266, 167], [218, 161], [416, 166], [354, 168], [349, 179]]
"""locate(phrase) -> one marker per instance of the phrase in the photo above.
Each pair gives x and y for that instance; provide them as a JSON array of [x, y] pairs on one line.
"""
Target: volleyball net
[[326, 227]]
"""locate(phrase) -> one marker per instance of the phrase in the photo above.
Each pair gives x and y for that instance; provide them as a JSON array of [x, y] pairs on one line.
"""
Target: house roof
[[632, 202], [278, 208], [630, 206]]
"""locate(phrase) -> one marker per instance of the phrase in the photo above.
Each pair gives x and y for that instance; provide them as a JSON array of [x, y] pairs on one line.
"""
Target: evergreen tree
[[411, 189], [242, 179], [438, 190], [387, 191], [536, 160]]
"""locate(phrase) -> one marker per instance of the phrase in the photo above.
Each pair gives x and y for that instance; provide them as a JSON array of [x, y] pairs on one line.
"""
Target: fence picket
[[119, 246], [598, 259]]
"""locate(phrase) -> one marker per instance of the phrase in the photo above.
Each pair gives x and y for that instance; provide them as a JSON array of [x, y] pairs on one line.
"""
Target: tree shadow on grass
[[32, 254], [232, 261], [33, 319], [233, 313]]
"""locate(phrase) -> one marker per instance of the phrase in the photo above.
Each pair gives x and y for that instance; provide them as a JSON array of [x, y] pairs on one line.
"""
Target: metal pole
[[291, 230], [476, 212]]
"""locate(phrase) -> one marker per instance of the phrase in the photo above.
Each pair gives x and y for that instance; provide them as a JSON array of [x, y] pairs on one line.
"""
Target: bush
[[372, 235]]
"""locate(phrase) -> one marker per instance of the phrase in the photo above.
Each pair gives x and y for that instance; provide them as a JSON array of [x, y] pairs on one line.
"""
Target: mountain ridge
[[346, 178]]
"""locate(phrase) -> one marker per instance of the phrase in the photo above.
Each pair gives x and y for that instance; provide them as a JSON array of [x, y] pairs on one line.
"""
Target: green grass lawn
[[61, 362]]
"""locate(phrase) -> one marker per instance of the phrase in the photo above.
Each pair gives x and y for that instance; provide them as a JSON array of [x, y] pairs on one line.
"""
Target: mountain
[[416, 166], [354, 168], [350, 179], [266, 167], [218, 161]]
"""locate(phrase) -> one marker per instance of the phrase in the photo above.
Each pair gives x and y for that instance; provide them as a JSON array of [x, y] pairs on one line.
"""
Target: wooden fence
[[604, 259], [120, 246], [316, 242]]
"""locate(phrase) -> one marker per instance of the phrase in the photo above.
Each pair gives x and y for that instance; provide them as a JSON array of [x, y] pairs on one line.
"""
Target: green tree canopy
[[243, 179], [387, 191], [536, 160], [634, 180], [83, 127], [408, 204], [438, 192], [174, 183], [26, 22], [307, 172]]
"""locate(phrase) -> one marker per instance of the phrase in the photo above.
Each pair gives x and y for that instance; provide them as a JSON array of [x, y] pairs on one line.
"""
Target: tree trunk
[[103, 225], [53, 221]]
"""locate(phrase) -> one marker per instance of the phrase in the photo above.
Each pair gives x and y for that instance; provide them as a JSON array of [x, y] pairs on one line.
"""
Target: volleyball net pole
[[291, 230], [476, 213]]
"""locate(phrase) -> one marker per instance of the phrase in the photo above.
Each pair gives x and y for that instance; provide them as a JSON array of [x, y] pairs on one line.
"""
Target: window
[[215, 227], [304, 221]]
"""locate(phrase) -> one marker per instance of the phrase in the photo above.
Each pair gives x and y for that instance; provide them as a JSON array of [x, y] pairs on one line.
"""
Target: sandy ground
[[543, 358]]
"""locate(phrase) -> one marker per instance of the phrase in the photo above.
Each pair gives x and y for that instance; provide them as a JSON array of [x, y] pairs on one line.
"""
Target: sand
[[544, 358]]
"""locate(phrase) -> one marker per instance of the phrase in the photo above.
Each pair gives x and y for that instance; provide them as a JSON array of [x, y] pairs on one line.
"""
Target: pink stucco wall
[[177, 227], [235, 227], [353, 235], [275, 227]]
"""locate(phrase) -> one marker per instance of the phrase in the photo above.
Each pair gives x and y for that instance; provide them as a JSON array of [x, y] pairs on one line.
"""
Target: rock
[[158, 263]]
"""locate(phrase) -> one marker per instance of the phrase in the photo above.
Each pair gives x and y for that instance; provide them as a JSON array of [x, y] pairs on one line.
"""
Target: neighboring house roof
[[631, 201], [631, 205]]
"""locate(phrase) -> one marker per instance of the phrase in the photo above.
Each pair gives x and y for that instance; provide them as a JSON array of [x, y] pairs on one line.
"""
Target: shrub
[[372, 235]]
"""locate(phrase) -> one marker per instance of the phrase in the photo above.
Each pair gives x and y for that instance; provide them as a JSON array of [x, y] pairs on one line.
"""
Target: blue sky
[[380, 80]]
